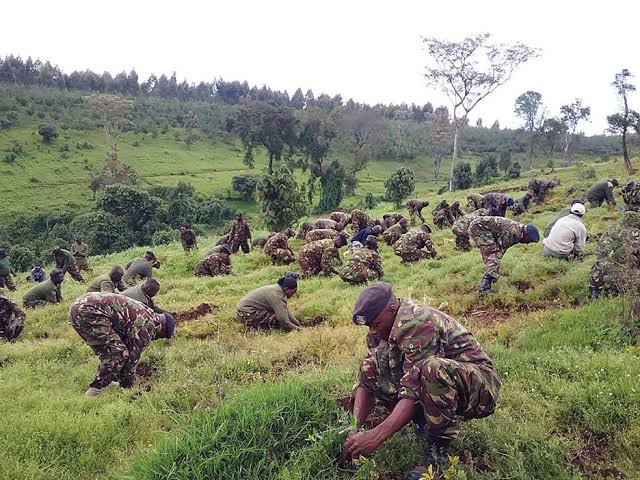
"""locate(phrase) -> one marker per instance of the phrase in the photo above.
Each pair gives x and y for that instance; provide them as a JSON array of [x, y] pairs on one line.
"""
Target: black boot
[[485, 286], [437, 457]]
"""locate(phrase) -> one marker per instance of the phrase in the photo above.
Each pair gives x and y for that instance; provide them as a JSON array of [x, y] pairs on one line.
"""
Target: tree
[[280, 199], [318, 131], [332, 187], [552, 128], [505, 160], [400, 185], [114, 113], [514, 171], [529, 109], [48, 132], [245, 185], [495, 125], [364, 130], [268, 125], [468, 71], [440, 138], [462, 176], [486, 169], [297, 100], [620, 123], [571, 115], [133, 205], [105, 232], [190, 124], [113, 172]]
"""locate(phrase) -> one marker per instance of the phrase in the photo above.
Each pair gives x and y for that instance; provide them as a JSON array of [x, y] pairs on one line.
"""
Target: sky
[[371, 51]]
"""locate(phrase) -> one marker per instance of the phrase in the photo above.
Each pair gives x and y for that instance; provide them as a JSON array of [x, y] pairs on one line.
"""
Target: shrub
[[350, 184], [162, 237], [245, 185], [370, 201], [400, 185], [212, 211], [9, 158], [5, 124], [103, 231], [505, 161], [514, 171], [280, 199], [131, 204], [585, 172], [332, 187], [486, 169], [22, 257], [462, 176], [48, 132]]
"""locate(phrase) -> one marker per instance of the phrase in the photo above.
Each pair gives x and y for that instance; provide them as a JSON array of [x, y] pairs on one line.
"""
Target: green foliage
[[245, 185], [280, 199], [400, 185], [514, 171], [48, 132], [370, 201], [131, 204], [332, 183], [486, 169], [212, 211], [104, 232], [585, 172], [462, 176], [22, 257], [9, 157], [505, 160], [350, 184], [162, 237]]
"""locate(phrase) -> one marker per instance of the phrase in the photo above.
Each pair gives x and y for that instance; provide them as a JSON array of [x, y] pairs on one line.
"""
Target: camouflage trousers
[[632, 207], [449, 391], [413, 254], [6, 280], [236, 244], [74, 272], [490, 252], [210, 267], [463, 242], [9, 330], [605, 277], [98, 333], [518, 208], [259, 320], [356, 275], [415, 212], [281, 256]]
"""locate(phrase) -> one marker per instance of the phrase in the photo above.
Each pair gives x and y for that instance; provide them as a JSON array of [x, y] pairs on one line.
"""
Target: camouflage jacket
[[134, 323], [279, 240], [214, 264], [341, 217], [240, 231], [320, 234], [461, 227], [419, 333], [413, 239], [416, 204], [360, 220], [475, 200], [631, 197], [496, 203], [188, 237], [362, 259], [80, 252], [64, 259], [323, 252], [393, 233], [137, 269], [500, 231], [620, 243], [103, 283], [8, 308], [324, 223], [46, 291], [441, 206]]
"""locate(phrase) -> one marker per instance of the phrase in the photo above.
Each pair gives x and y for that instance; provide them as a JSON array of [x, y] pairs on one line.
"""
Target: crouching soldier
[[392, 234], [277, 247], [461, 229], [521, 205], [415, 245], [266, 307], [140, 268], [45, 292], [316, 257], [117, 329], [66, 262], [6, 271], [215, 263], [11, 319], [144, 293], [364, 265], [423, 366], [108, 282]]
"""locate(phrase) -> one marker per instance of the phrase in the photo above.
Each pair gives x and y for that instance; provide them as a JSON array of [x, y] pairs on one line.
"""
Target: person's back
[[601, 191], [567, 236], [45, 292], [136, 293], [139, 268]]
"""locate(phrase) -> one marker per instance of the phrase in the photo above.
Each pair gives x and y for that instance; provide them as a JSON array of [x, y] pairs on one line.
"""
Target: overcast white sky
[[367, 50]]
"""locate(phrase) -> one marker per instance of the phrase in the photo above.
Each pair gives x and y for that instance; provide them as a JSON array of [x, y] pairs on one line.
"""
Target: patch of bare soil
[[523, 285], [145, 372], [315, 320], [592, 459], [200, 311]]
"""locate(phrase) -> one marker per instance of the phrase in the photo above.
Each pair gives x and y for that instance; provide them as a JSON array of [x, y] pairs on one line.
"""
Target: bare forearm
[[362, 405], [399, 417]]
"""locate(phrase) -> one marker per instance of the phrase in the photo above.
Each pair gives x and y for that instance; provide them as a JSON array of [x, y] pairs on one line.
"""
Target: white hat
[[578, 209]]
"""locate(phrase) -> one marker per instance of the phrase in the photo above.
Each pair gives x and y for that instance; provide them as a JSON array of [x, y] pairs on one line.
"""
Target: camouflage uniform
[[618, 256], [240, 235], [316, 257], [538, 188], [391, 220], [444, 217], [341, 217], [393, 233], [11, 319], [41, 294], [631, 197], [360, 220], [278, 249], [80, 252], [321, 234], [103, 283], [456, 211], [521, 205], [322, 223], [363, 266], [67, 263], [188, 240], [461, 229], [493, 236], [5, 275], [415, 208], [496, 203], [117, 329], [212, 265], [414, 245], [138, 294], [138, 269], [475, 200], [433, 360]]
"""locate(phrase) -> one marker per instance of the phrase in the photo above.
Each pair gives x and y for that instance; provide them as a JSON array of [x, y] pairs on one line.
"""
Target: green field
[[227, 404]]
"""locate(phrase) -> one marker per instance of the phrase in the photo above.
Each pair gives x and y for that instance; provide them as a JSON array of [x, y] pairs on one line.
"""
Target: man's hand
[[360, 443]]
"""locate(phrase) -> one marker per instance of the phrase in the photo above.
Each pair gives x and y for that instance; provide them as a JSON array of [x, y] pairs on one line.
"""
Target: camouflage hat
[[371, 302]]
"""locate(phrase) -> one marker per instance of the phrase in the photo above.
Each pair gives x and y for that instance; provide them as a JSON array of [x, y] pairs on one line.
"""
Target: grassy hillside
[[222, 403]]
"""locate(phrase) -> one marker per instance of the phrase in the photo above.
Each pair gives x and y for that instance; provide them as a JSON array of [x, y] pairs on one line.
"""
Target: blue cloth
[[362, 235], [38, 274]]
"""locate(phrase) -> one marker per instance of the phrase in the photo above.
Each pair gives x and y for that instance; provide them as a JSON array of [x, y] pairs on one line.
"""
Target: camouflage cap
[[371, 302]]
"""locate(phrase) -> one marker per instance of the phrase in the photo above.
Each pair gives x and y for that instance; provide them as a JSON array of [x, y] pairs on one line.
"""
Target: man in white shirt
[[567, 237]]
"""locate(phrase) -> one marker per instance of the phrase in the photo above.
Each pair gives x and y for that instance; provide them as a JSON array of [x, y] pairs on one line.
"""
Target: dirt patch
[[523, 285], [315, 320], [145, 372], [592, 459], [294, 361], [200, 311], [485, 316]]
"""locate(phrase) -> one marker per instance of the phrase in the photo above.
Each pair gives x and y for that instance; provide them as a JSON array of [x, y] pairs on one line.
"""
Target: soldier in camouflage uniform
[[224, 240], [6, 271], [316, 257], [415, 208], [618, 258], [631, 197], [392, 234], [360, 220], [260, 242], [364, 265], [45, 292], [108, 282], [461, 229], [188, 238], [240, 234], [321, 234], [475, 201], [389, 220], [601, 192], [216, 263], [423, 366], [80, 251], [278, 248], [443, 217], [66, 262], [521, 205], [538, 188], [341, 217], [493, 236], [496, 203], [140, 268], [456, 211], [117, 329], [415, 245], [11, 319]]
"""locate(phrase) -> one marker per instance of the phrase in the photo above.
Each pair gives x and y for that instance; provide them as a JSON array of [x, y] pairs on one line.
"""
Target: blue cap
[[170, 324], [532, 232], [509, 202], [3, 252]]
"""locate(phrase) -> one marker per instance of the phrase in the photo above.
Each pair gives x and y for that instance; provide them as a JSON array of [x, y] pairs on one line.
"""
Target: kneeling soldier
[[266, 307]]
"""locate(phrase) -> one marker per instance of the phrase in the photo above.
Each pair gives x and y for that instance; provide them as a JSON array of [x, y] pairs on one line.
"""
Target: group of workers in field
[[422, 365]]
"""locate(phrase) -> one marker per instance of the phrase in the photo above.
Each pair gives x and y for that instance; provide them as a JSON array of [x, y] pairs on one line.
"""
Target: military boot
[[437, 457], [485, 286]]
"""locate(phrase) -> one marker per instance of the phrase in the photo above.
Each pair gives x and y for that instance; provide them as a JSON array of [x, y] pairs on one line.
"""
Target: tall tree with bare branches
[[571, 115], [468, 71], [114, 113], [621, 123]]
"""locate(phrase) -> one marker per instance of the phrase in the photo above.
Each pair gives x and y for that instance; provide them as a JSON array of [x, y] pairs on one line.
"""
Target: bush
[[486, 169], [370, 201], [5, 123], [48, 132], [280, 199], [9, 158], [462, 176], [162, 237], [332, 187], [400, 185], [133, 205], [22, 257], [103, 232], [585, 172], [514, 171], [245, 185], [350, 184], [505, 161], [212, 211]]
